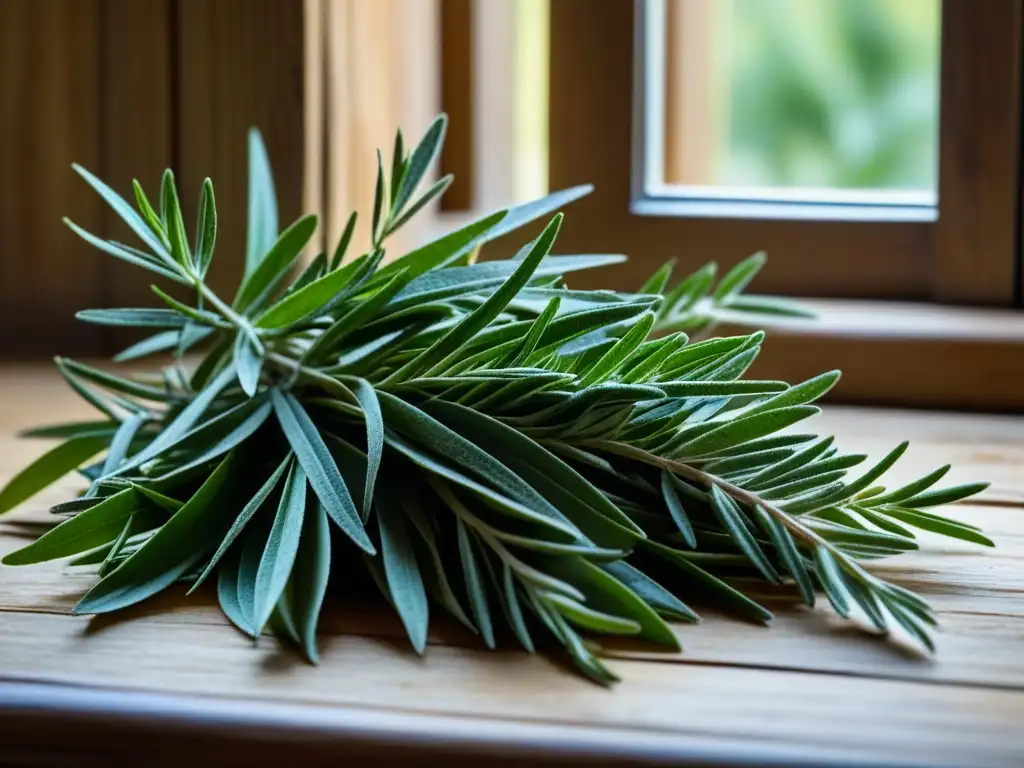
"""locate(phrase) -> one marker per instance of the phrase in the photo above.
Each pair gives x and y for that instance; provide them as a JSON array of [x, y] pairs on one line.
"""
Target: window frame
[[593, 73], [969, 255]]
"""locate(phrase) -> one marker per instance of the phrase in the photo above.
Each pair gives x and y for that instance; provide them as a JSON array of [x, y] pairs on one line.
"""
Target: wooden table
[[172, 681]]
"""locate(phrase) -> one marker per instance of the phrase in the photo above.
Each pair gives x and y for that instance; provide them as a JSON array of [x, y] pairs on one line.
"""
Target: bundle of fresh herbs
[[479, 438]]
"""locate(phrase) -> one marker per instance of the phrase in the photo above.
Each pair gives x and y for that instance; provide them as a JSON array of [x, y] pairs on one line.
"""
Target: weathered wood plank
[[874, 718]]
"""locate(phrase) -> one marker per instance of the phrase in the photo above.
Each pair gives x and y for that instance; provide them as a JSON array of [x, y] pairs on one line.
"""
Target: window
[[944, 230], [817, 108]]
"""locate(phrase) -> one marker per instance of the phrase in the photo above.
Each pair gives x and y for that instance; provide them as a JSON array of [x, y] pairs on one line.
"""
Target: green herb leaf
[[262, 229], [49, 468], [172, 550], [405, 584], [282, 547], [90, 528], [260, 282], [319, 466]]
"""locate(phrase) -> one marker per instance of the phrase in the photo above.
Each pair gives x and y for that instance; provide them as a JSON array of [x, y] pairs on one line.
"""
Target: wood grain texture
[[809, 690], [979, 157], [239, 65], [903, 354], [457, 77], [137, 140], [49, 86]]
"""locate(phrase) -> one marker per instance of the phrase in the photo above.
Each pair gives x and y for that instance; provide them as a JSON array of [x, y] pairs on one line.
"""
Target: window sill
[[903, 354]]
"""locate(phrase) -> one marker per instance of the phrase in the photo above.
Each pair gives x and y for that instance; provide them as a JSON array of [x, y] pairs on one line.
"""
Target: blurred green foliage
[[829, 93]]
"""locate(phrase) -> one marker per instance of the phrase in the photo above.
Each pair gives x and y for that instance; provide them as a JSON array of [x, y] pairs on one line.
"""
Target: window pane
[[789, 95]]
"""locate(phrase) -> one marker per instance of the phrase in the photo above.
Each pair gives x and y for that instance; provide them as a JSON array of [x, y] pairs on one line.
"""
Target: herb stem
[[794, 526], [320, 379], [229, 314]]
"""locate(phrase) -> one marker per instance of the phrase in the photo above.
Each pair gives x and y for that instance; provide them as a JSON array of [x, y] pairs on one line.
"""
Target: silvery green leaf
[[522, 214], [90, 528], [319, 466], [49, 468], [282, 547], [606, 593], [656, 283], [227, 592], [125, 253], [183, 422], [219, 435], [262, 208], [436, 189], [927, 522], [309, 578], [149, 215], [260, 282], [475, 587], [133, 318], [741, 430], [248, 363], [729, 597], [171, 552], [116, 383], [248, 511], [586, 506], [440, 251], [434, 356], [652, 593], [497, 501], [404, 582], [122, 442], [676, 508], [367, 398], [732, 518], [378, 203], [126, 212], [609, 362], [170, 208], [737, 278], [343, 242], [442, 440], [206, 229], [419, 161], [158, 342]]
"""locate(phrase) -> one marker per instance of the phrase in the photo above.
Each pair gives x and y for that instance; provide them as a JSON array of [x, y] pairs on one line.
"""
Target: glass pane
[[786, 95]]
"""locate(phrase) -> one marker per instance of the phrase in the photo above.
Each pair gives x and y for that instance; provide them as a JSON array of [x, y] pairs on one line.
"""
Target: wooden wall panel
[[457, 75], [239, 64], [49, 88], [137, 139], [128, 88], [979, 164]]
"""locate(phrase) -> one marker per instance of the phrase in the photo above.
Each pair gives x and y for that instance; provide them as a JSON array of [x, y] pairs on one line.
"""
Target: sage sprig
[[536, 461]]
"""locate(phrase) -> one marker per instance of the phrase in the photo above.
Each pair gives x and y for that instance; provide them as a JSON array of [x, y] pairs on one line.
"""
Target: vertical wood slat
[[137, 139], [381, 74], [239, 64], [315, 129], [692, 112], [49, 85], [457, 77], [979, 156]]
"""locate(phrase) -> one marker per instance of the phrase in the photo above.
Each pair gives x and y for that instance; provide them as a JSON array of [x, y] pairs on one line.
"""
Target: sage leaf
[[319, 466], [48, 468]]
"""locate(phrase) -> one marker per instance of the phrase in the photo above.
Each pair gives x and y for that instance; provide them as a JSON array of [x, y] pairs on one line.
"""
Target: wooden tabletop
[[171, 680]]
